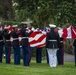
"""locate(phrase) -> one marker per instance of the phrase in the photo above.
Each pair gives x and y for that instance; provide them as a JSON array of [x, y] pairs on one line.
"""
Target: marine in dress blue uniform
[[47, 58], [1, 44], [39, 55], [74, 44], [15, 44], [25, 44], [60, 53], [6, 35], [52, 45], [47, 29]]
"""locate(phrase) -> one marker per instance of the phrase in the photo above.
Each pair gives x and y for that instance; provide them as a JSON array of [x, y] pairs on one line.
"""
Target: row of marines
[[5, 35], [5, 40]]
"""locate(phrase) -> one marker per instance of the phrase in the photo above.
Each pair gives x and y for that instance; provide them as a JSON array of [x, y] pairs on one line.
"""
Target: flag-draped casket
[[38, 38]]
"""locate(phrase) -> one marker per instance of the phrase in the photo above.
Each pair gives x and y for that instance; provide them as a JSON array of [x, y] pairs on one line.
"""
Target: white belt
[[24, 37], [52, 40], [1, 40], [7, 40], [15, 38], [61, 41]]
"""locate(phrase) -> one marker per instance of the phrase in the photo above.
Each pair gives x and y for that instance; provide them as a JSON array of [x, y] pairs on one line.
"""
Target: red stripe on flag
[[33, 34], [73, 31], [41, 45], [64, 35], [39, 40]]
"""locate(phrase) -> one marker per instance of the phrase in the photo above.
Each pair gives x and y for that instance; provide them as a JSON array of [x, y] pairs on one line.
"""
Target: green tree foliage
[[43, 12], [6, 10]]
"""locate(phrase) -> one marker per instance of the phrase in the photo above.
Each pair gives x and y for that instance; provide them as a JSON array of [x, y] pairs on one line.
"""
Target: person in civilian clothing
[[74, 44], [6, 35], [52, 45], [15, 44], [25, 44]]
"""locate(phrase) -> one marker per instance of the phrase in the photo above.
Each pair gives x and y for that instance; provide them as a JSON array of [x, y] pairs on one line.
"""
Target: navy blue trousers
[[26, 55], [1, 51], [7, 52], [60, 56], [31, 52], [47, 58], [75, 55], [16, 54], [38, 55]]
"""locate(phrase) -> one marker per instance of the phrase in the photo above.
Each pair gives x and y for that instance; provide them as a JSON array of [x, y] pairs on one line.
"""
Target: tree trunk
[[9, 9]]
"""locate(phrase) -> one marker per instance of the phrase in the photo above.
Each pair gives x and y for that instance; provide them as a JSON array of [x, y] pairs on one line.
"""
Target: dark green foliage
[[43, 12], [6, 10]]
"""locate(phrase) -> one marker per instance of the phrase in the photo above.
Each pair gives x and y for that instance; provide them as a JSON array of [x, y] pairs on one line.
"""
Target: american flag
[[38, 37]]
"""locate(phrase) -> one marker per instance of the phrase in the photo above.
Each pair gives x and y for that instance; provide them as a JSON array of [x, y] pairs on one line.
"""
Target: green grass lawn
[[37, 69]]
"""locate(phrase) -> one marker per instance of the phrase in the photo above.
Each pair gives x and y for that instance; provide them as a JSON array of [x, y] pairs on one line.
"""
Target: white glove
[[9, 32], [43, 32], [33, 29]]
